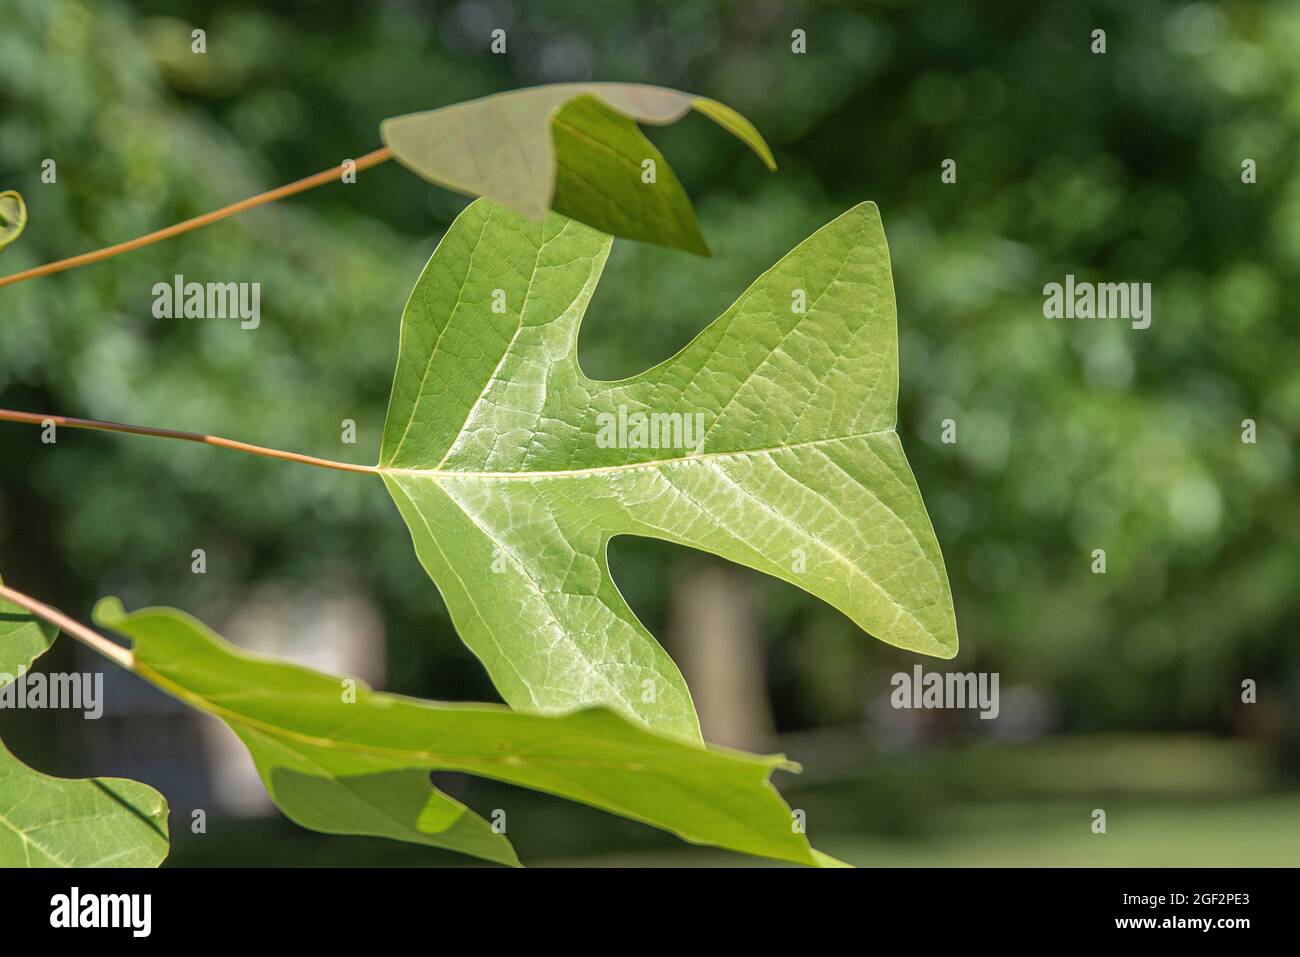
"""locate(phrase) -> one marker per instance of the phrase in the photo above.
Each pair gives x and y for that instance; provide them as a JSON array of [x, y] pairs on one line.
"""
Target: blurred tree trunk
[[715, 639]]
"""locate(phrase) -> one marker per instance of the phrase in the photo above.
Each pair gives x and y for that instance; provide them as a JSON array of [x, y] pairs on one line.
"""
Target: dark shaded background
[[1120, 691]]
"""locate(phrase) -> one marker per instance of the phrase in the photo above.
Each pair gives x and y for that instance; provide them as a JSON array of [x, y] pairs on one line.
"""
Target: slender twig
[[311, 182], [34, 418], [70, 626]]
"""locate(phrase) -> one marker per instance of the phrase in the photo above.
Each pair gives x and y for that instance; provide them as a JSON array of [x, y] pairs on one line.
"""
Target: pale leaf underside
[[491, 451]]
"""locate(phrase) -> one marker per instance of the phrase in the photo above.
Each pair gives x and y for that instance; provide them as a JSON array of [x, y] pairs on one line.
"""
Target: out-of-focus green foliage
[[1072, 435]]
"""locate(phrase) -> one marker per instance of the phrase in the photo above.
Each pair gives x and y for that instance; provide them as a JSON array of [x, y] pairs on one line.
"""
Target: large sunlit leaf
[[13, 217], [338, 757], [571, 147], [59, 822], [495, 452]]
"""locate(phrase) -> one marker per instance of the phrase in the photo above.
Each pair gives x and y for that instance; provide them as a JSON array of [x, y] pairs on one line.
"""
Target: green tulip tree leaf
[[769, 440], [571, 147], [92, 822], [338, 757], [60, 822], [23, 638], [13, 217]]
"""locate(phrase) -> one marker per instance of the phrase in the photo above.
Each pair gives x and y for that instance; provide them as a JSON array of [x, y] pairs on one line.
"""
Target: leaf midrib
[[595, 798], [438, 473]]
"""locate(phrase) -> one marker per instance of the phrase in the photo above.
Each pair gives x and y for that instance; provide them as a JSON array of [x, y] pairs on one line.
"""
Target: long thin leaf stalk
[[330, 175], [35, 418], [70, 626]]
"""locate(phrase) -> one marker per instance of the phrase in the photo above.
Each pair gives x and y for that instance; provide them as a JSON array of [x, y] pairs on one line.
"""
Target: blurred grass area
[[1233, 832], [1170, 801]]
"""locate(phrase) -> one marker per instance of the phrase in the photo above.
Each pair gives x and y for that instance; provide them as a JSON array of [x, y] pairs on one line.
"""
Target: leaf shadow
[[149, 821]]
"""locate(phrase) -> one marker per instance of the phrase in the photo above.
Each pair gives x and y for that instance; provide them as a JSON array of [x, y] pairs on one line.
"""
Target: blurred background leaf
[[13, 217]]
